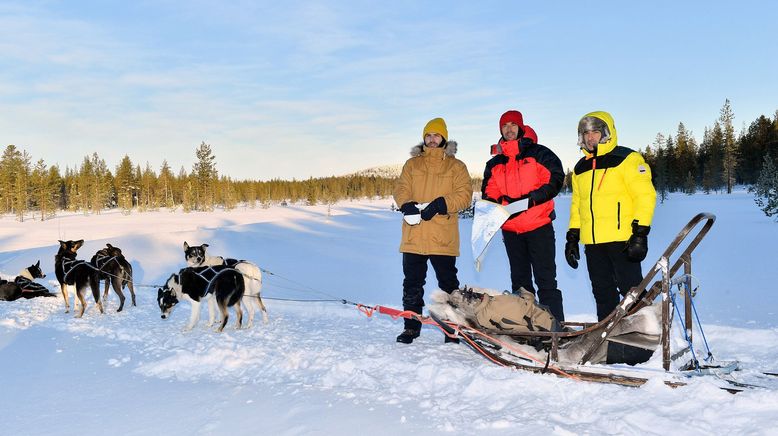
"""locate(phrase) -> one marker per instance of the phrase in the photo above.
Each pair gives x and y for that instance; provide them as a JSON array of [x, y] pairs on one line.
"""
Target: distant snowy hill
[[388, 171], [391, 171]]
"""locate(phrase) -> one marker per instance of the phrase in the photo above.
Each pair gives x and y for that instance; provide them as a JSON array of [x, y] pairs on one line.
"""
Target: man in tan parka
[[433, 187]]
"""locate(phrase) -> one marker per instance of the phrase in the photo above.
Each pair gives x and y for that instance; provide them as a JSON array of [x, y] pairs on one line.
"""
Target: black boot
[[408, 335]]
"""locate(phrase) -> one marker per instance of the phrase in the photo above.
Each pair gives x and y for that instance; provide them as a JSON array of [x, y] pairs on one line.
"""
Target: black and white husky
[[221, 284], [24, 285], [196, 256], [110, 265], [74, 272]]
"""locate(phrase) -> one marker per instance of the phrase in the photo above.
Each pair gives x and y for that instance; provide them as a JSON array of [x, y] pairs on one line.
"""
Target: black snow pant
[[609, 270], [531, 253], [415, 270]]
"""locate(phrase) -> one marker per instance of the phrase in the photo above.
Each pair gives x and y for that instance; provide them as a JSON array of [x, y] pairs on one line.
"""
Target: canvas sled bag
[[514, 314]]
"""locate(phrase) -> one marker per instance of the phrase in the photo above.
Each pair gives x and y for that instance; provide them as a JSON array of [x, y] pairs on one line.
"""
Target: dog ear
[[38, 265], [186, 246], [78, 244], [62, 244], [205, 246], [109, 245]]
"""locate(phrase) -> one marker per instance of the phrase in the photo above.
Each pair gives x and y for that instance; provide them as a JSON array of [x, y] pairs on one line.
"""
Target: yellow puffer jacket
[[610, 189], [429, 174]]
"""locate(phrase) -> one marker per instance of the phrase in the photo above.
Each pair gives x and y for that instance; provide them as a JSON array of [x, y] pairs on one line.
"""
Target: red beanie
[[512, 117]]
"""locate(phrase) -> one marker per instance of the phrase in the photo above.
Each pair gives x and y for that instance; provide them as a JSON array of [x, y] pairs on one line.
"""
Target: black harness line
[[209, 275], [27, 285]]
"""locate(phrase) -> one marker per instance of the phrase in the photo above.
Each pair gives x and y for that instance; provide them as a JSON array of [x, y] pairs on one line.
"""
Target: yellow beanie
[[436, 125]]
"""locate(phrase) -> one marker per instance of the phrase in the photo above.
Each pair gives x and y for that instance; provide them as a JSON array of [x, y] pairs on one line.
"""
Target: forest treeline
[[679, 163]]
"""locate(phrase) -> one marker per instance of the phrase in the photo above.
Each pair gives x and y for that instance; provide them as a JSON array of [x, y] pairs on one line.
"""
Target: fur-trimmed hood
[[449, 150]]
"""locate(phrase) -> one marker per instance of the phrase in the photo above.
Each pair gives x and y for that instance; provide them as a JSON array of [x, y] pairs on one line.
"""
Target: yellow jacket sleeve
[[637, 178], [575, 213]]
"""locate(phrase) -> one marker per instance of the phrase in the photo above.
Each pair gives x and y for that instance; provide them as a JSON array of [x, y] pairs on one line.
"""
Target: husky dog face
[[69, 248], [194, 255], [35, 271], [167, 296]]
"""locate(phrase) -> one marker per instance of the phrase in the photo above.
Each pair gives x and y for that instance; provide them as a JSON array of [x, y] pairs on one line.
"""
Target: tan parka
[[431, 173]]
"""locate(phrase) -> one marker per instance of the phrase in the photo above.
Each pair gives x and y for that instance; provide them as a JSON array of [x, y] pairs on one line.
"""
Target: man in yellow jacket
[[432, 188], [611, 211]]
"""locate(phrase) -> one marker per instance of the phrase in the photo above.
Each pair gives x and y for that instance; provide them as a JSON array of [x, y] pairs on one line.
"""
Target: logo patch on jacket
[[641, 169]]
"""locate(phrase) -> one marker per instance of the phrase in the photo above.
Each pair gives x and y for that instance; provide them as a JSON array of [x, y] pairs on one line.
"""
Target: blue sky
[[298, 89]]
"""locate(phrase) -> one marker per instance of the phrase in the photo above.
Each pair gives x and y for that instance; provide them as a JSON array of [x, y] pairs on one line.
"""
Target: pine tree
[[766, 188], [125, 185], [715, 162], [730, 147], [165, 183], [83, 178], [147, 196], [43, 191], [656, 160], [752, 147], [73, 197], [685, 156], [58, 189], [11, 165], [22, 186], [206, 176], [690, 186], [187, 190], [100, 186]]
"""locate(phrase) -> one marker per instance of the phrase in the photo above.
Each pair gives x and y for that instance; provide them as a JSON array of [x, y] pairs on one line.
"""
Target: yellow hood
[[612, 142]]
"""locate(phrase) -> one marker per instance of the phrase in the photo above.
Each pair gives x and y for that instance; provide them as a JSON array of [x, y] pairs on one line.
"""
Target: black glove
[[637, 246], [571, 247], [409, 208], [436, 206]]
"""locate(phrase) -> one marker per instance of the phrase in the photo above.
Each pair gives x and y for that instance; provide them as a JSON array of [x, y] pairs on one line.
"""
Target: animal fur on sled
[[495, 312]]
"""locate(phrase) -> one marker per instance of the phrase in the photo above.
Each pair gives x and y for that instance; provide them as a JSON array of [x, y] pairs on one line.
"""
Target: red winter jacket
[[524, 170]]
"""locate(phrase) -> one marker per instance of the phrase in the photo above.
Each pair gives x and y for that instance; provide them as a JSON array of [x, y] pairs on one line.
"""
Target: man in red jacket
[[523, 169]]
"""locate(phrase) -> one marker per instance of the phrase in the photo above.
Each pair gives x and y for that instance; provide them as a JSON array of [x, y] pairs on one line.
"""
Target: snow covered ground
[[324, 368]]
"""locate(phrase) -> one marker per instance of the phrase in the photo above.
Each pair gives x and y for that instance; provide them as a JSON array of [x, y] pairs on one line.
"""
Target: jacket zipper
[[591, 198], [618, 215], [599, 185]]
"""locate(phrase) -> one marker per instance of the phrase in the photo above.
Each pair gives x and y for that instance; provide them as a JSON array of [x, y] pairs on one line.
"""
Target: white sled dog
[[196, 256]]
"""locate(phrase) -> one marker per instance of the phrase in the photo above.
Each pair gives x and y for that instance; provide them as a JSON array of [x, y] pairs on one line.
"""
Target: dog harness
[[68, 265], [27, 285], [102, 260], [208, 274]]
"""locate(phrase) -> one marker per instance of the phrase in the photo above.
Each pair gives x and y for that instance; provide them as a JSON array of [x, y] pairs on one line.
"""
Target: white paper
[[487, 219], [517, 206]]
